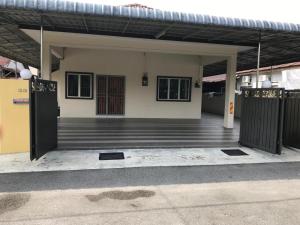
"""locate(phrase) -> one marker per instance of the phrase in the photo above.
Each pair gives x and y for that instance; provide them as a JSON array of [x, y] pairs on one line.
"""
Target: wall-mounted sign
[[22, 90], [21, 101], [231, 109]]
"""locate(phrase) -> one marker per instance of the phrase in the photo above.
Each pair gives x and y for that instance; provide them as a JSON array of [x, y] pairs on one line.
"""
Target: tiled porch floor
[[88, 134]]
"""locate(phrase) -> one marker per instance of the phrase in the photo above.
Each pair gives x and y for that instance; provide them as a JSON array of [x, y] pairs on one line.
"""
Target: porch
[[92, 133]]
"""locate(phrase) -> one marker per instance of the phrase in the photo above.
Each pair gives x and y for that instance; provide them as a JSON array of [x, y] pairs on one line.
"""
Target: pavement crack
[[175, 209]]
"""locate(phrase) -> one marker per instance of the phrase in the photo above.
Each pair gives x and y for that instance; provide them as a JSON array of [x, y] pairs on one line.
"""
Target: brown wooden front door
[[110, 95]]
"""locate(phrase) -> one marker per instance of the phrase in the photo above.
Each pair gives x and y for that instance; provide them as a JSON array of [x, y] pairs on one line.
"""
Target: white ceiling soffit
[[75, 40]]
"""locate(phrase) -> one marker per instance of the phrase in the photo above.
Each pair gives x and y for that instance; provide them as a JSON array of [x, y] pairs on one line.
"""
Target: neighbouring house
[[282, 76], [137, 5], [134, 62], [285, 76], [11, 69]]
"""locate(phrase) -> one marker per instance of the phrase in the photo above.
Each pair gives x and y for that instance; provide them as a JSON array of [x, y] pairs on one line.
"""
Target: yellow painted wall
[[14, 118]]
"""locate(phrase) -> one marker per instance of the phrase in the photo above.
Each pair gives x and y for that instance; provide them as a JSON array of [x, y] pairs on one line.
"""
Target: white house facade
[[172, 71], [138, 101], [132, 77]]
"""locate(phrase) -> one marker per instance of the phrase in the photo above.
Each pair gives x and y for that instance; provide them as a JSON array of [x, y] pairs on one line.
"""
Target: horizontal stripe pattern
[[97, 9], [81, 134]]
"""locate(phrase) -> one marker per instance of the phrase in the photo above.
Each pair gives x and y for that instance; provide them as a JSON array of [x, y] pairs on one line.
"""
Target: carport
[[280, 42], [32, 32], [88, 134]]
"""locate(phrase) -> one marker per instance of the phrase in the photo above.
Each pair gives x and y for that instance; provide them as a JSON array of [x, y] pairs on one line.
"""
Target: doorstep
[[86, 160]]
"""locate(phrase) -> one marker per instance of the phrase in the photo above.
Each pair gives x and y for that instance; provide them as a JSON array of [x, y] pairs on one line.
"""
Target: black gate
[[291, 134], [43, 116], [262, 119]]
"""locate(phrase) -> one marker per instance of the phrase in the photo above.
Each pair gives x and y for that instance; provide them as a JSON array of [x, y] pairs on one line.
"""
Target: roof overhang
[[90, 41], [280, 41]]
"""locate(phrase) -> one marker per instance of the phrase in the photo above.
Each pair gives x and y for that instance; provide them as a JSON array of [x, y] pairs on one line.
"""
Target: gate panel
[[261, 119], [43, 109], [291, 136]]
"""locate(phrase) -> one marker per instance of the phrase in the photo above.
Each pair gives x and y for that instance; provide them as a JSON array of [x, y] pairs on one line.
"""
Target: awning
[[280, 41], [214, 78]]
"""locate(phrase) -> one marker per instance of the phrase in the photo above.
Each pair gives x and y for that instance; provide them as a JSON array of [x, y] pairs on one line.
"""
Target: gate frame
[[285, 136], [278, 93], [36, 84]]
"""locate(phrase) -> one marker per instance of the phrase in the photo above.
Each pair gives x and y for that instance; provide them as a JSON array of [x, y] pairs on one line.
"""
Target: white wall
[[276, 78], [140, 102], [291, 79]]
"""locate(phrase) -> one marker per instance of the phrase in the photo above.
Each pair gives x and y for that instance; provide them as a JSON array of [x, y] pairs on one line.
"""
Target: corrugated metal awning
[[280, 41], [96, 9]]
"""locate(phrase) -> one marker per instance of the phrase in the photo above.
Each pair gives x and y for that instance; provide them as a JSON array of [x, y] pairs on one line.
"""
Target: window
[[174, 88], [79, 85]]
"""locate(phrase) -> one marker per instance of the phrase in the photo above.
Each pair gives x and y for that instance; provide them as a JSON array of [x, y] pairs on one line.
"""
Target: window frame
[[79, 74], [189, 99]]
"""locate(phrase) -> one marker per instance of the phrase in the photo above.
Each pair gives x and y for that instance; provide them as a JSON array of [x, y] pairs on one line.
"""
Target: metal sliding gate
[[43, 117], [291, 134], [261, 121]]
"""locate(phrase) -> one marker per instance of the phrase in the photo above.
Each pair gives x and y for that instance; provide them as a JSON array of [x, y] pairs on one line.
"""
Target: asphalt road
[[260, 194], [60, 180]]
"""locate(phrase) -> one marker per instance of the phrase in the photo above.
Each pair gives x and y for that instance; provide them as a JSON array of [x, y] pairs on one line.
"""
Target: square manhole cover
[[111, 156], [234, 152]]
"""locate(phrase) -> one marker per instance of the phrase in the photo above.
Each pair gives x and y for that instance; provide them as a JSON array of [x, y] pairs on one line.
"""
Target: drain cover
[[234, 152], [111, 156]]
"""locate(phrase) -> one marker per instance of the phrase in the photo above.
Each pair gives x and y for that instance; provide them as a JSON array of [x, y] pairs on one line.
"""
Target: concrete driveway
[[251, 202]]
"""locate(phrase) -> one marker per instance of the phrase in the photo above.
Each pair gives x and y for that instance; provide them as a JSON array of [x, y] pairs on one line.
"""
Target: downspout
[[258, 59], [271, 72], [16, 69], [41, 47], [198, 83]]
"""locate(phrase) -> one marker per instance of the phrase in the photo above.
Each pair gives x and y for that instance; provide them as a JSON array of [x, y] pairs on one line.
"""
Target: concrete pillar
[[46, 62], [45, 55], [230, 92], [200, 78]]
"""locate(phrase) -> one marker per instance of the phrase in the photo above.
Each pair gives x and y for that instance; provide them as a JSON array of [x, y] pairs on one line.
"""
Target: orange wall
[[14, 118]]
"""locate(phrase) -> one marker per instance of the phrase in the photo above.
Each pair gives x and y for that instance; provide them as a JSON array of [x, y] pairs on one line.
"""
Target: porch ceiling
[[210, 53], [280, 41]]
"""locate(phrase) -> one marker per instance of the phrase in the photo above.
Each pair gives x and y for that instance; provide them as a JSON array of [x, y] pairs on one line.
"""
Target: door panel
[[110, 95], [115, 95], [101, 94]]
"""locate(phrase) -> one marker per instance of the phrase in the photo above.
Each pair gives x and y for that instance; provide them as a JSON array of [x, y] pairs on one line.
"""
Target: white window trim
[[188, 99], [79, 85]]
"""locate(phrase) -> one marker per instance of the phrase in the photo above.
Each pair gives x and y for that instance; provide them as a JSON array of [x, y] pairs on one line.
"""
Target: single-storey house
[[136, 62], [102, 76], [281, 76], [285, 76]]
